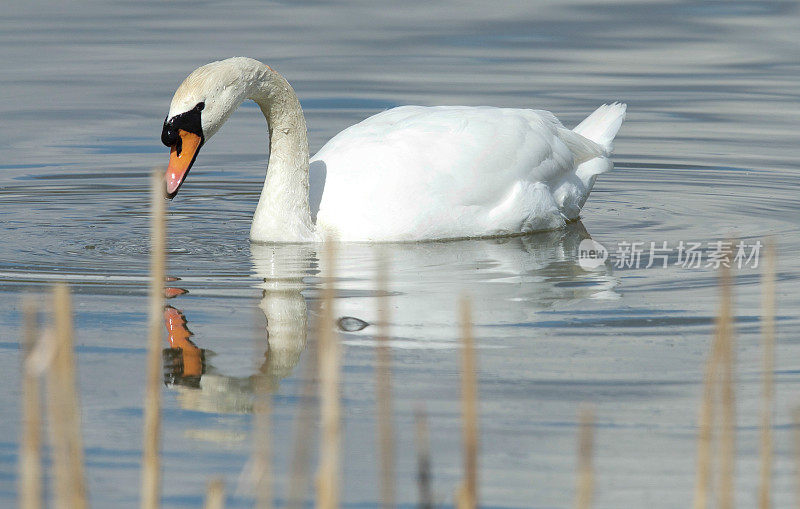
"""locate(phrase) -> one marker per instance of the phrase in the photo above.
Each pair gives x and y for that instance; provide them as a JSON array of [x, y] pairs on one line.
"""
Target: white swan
[[407, 174]]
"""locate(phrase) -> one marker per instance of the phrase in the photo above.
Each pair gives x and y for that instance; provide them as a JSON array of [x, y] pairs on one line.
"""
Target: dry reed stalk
[[330, 403], [383, 388], [767, 400], [304, 429], [64, 409], [422, 439], [151, 467], [719, 379], [30, 461], [727, 448], [215, 494], [468, 497], [261, 445], [585, 481], [460, 497]]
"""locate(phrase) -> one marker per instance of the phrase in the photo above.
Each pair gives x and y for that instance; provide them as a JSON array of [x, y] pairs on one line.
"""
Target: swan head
[[202, 103], [183, 133]]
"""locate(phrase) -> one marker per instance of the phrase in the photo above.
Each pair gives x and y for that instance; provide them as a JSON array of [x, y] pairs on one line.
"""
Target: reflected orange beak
[[172, 292], [178, 335], [181, 159]]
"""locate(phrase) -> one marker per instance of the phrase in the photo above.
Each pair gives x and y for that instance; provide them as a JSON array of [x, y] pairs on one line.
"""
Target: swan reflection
[[189, 369], [510, 281]]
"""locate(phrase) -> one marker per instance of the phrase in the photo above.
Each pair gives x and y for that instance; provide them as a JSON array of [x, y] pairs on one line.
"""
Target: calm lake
[[708, 152]]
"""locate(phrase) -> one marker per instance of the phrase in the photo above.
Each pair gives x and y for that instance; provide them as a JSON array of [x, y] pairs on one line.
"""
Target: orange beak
[[181, 158]]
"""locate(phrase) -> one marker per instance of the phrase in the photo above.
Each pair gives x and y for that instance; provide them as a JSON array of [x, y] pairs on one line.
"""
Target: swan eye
[[188, 121], [169, 134]]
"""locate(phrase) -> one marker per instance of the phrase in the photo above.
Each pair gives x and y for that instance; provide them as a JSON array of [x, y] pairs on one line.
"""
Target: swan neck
[[283, 212]]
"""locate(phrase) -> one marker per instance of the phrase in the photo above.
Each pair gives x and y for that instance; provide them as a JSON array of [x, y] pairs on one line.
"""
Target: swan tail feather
[[583, 149], [602, 125]]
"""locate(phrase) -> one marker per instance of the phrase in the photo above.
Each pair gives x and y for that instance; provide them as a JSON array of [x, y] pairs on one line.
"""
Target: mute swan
[[407, 174]]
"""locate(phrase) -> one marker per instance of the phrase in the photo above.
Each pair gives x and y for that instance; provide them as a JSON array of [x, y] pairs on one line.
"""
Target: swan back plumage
[[421, 173]]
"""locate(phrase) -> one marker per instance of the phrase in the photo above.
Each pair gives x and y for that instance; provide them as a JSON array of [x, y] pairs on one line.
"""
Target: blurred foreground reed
[[151, 464]]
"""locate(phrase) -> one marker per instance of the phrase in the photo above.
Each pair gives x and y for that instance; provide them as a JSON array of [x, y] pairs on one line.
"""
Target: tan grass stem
[[768, 397], [151, 464], [468, 497], [215, 494], [64, 408], [329, 392], [727, 445], [585, 479], [705, 433]]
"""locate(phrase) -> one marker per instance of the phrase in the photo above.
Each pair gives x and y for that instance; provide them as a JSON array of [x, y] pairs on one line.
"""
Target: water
[[708, 151]]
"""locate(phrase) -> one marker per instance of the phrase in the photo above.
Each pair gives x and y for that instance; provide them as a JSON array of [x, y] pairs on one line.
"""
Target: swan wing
[[413, 173]]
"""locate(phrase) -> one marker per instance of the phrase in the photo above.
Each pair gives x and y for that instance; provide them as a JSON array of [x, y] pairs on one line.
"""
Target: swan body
[[410, 173]]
